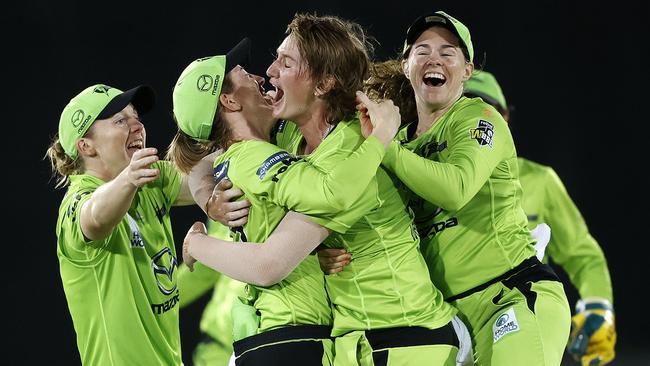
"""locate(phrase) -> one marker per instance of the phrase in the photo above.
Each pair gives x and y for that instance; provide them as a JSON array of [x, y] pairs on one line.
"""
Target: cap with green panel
[[196, 94], [440, 18], [483, 84], [99, 101]]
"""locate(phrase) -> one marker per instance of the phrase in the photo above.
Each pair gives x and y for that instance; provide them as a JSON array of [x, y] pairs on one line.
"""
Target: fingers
[[198, 227], [223, 185], [232, 193], [333, 260], [362, 98]]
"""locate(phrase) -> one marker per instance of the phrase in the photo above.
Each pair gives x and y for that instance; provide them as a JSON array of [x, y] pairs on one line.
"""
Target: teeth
[[434, 75], [135, 144]]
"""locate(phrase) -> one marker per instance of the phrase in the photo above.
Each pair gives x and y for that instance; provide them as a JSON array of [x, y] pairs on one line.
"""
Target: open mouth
[[434, 79], [135, 145], [279, 93]]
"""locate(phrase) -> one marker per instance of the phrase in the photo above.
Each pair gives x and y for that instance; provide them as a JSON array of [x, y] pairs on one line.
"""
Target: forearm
[[107, 207], [331, 191], [260, 264], [447, 185]]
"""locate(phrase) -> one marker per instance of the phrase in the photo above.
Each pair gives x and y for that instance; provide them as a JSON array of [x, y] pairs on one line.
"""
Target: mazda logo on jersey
[[163, 265], [483, 133]]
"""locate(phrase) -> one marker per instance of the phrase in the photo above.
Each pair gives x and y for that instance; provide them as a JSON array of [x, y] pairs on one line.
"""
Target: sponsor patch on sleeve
[[483, 133], [505, 323], [221, 171], [270, 162]]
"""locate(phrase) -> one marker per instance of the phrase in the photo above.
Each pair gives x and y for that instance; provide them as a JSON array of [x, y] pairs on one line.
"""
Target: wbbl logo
[[483, 133]]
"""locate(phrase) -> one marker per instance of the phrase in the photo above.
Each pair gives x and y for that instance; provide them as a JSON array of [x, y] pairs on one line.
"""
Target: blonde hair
[[62, 165], [337, 50]]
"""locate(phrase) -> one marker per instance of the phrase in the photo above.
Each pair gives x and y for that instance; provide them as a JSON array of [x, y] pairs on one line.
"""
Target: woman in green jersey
[[458, 164], [115, 245], [386, 311], [289, 318], [571, 246]]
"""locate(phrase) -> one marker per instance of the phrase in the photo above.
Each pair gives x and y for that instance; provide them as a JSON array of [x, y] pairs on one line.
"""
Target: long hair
[[335, 50], [61, 164]]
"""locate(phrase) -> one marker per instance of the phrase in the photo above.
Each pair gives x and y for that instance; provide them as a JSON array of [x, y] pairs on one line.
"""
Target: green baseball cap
[[483, 84], [196, 94], [99, 101], [427, 21]]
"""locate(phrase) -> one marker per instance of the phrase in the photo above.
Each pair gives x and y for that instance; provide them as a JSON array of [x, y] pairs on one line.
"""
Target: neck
[[100, 170], [428, 114], [314, 128], [243, 129]]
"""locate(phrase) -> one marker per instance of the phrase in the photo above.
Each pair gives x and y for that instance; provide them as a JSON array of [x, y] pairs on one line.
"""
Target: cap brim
[[239, 55], [142, 97], [427, 21]]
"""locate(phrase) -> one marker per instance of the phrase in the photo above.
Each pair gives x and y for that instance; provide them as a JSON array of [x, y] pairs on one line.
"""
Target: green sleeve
[[572, 246], [300, 186], [452, 183], [169, 180]]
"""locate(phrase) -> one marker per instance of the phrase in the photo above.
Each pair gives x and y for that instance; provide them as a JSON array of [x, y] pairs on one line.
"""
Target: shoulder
[[532, 168]]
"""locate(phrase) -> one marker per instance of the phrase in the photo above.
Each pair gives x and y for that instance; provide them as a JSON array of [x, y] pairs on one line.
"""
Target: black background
[[575, 73]]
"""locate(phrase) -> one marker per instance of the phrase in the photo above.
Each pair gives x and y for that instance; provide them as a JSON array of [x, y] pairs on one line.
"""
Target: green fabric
[[471, 174], [354, 349], [216, 320], [532, 338], [196, 95], [123, 312], [485, 85], [386, 284], [80, 113], [572, 246]]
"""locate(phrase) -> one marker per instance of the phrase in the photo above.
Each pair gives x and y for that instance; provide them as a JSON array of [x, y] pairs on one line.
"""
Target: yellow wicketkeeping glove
[[593, 334]]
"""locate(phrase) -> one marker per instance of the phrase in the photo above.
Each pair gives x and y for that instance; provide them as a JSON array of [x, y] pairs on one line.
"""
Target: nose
[[135, 125], [272, 71]]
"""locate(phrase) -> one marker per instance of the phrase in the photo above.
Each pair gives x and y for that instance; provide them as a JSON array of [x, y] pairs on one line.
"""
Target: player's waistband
[[529, 270], [411, 336], [290, 333]]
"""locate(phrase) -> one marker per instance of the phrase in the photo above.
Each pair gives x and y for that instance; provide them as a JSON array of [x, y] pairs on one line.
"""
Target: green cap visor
[[483, 84], [98, 102], [427, 21], [196, 94]]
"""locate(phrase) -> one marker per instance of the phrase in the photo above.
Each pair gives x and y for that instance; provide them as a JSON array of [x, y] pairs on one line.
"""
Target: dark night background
[[575, 73]]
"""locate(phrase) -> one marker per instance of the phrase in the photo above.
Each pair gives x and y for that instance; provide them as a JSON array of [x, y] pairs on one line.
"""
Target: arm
[[379, 123], [263, 265], [454, 182], [572, 246], [218, 201], [109, 203], [184, 197]]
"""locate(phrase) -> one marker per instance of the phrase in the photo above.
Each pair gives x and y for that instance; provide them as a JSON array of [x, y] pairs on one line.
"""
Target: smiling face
[[248, 91], [295, 89], [437, 69], [111, 142]]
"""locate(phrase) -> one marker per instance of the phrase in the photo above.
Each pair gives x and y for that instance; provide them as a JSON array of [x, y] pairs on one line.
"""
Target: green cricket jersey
[[121, 291], [572, 247], [216, 320], [386, 285], [275, 182], [466, 195]]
